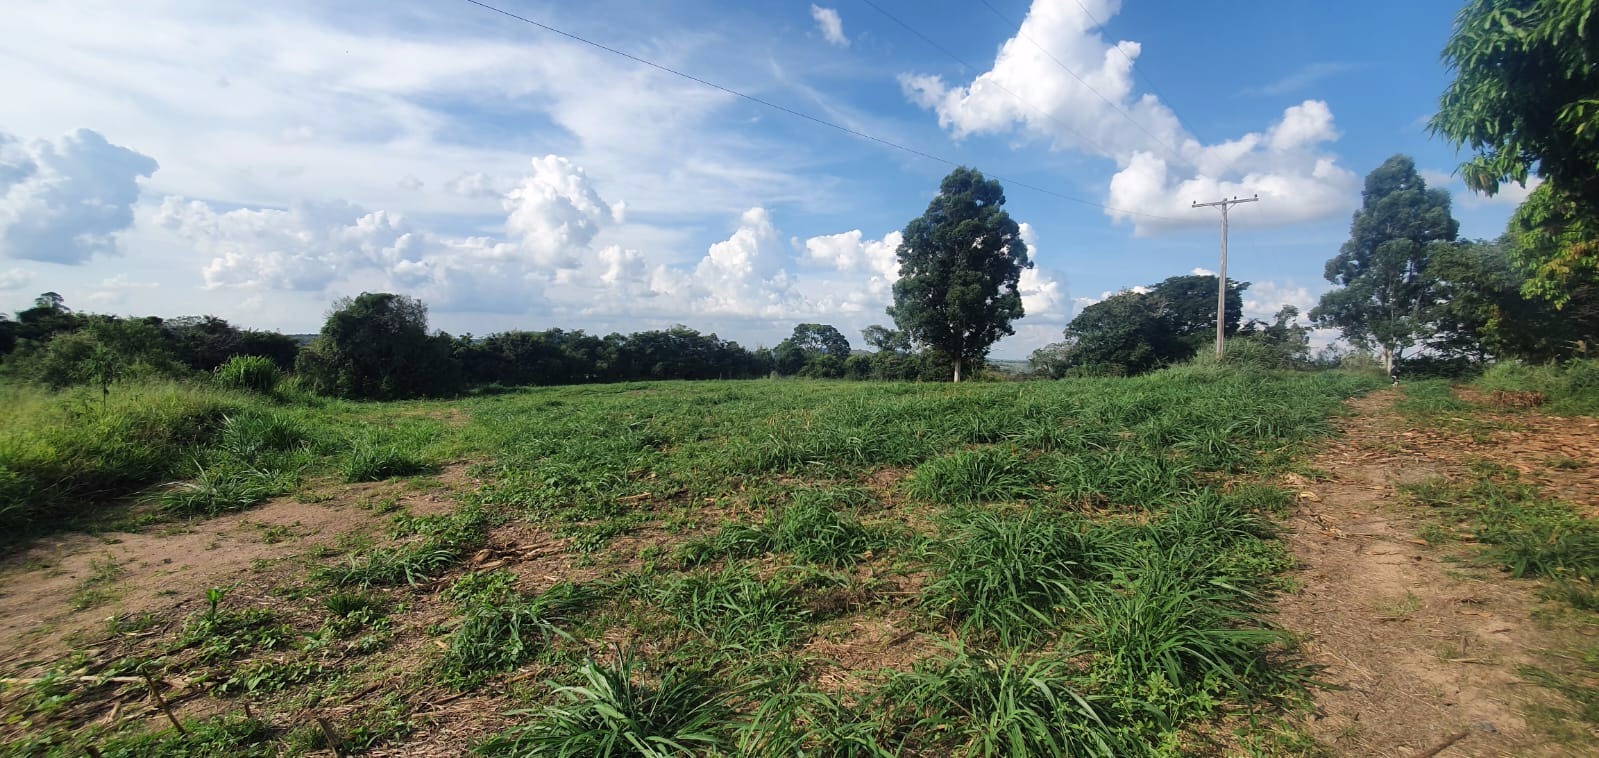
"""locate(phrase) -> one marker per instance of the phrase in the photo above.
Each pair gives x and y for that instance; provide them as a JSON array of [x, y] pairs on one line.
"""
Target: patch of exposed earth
[[1419, 652]]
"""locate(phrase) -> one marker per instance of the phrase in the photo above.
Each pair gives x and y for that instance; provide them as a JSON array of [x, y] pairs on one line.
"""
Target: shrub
[[376, 346], [59, 451], [249, 435], [1571, 388], [106, 350], [500, 632], [220, 489], [249, 372], [1253, 353]]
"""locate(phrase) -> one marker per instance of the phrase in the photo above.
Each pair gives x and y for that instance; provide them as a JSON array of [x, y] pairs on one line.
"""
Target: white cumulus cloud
[[1095, 108], [848, 251], [1263, 299], [554, 213], [831, 26], [64, 201]]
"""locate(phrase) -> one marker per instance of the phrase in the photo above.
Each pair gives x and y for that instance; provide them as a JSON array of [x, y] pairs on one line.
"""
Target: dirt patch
[[1417, 650], [851, 652], [1560, 455], [57, 595]]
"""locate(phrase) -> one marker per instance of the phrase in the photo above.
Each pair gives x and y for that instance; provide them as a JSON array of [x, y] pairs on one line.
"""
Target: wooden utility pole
[[1221, 276]]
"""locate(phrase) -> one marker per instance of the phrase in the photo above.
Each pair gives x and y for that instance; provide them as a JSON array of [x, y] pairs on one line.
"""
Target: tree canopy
[[960, 265], [1143, 329], [1526, 72], [816, 350], [820, 338], [1523, 101], [377, 346], [1384, 288], [1483, 312]]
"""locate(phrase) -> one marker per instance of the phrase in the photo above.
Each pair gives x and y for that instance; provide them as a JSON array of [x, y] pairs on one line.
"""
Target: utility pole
[[1221, 276]]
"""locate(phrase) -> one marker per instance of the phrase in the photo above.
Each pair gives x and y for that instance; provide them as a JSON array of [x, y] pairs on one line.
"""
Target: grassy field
[[730, 568]]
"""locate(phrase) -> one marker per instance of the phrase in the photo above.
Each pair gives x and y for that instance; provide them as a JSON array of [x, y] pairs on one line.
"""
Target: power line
[[1068, 127], [1131, 64], [1173, 152], [804, 115]]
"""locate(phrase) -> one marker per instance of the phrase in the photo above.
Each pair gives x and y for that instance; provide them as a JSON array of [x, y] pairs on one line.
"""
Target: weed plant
[[736, 609], [249, 372], [438, 543], [61, 450], [814, 529], [231, 735], [617, 711], [1102, 591], [1571, 388], [975, 704], [503, 629], [1528, 533], [1009, 575], [974, 476], [372, 462]]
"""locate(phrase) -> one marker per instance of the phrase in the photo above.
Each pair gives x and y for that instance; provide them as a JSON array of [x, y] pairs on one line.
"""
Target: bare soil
[[167, 568], [1419, 651]]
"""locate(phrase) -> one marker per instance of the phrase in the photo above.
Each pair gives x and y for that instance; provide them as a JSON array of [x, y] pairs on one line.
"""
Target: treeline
[[1407, 290], [1167, 323], [379, 346], [51, 344]]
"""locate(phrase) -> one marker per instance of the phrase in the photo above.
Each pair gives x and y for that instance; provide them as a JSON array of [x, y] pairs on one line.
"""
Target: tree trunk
[[957, 370]]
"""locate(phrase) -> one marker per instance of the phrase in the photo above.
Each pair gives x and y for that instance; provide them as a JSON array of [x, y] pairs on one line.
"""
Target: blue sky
[[256, 161]]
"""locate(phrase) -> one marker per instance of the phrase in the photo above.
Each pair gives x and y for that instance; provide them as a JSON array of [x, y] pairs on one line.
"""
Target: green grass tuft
[[975, 704], [617, 711], [504, 629], [371, 462], [1008, 575], [735, 609], [991, 474]]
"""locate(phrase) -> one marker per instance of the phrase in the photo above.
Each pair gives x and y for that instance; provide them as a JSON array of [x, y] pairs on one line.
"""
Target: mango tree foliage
[[960, 264], [1525, 99], [821, 338], [1555, 242], [376, 346], [1122, 334], [1525, 94], [883, 338], [1384, 288], [1188, 308]]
